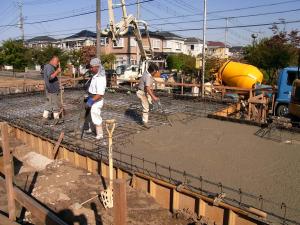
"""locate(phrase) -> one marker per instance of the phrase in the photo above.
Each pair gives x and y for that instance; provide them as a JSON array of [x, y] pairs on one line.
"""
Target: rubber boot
[[99, 132], [56, 118], [45, 117]]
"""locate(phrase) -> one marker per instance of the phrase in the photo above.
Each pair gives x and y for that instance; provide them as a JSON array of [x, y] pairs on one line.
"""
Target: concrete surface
[[229, 153]]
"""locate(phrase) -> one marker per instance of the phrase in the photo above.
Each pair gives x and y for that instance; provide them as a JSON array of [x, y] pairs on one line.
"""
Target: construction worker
[[145, 92], [52, 89], [96, 92]]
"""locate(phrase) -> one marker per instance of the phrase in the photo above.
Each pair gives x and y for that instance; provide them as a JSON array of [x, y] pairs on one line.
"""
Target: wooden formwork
[[14, 193], [166, 194]]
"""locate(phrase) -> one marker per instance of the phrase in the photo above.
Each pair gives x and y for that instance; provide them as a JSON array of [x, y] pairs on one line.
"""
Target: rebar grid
[[281, 134], [25, 111]]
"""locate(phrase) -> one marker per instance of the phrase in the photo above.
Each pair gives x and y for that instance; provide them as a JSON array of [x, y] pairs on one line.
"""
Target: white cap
[[95, 62]]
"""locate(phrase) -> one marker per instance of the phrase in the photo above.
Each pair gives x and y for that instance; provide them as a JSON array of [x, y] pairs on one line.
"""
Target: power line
[[240, 26], [178, 30], [230, 17], [75, 15], [151, 11], [39, 2], [78, 10], [226, 10]]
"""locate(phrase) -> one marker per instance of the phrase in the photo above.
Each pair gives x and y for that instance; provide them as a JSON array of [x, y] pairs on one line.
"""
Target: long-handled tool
[[107, 195], [87, 112], [61, 94], [163, 111]]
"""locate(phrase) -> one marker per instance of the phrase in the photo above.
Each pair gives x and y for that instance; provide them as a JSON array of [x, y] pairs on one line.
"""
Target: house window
[[119, 43], [178, 46], [133, 42], [167, 44], [103, 41], [156, 44], [120, 61], [192, 47], [133, 61]]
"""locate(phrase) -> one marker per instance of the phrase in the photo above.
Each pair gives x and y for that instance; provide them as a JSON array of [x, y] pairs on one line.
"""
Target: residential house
[[172, 43], [193, 46], [217, 49], [236, 52], [126, 48], [78, 40], [40, 42]]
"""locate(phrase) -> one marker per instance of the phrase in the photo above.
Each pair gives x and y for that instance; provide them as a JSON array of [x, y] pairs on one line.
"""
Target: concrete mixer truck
[[294, 106], [242, 75]]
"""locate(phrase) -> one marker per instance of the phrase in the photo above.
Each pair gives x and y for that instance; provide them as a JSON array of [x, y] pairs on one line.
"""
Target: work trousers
[[96, 112], [145, 104], [53, 103]]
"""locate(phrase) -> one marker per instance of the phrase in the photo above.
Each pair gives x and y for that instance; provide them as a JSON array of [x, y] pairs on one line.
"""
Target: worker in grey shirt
[[145, 90], [52, 89]]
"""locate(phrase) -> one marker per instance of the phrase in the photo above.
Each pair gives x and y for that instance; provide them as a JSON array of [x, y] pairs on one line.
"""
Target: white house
[[193, 46], [78, 40], [41, 42], [172, 43]]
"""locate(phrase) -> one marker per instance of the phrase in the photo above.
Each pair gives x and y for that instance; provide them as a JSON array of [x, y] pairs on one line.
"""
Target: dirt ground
[[66, 189], [226, 152]]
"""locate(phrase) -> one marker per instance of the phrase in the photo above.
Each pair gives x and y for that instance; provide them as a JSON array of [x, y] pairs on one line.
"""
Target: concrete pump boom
[[122, 28]]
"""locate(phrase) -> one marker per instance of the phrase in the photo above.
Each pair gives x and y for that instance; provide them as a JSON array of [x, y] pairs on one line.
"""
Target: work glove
[[90, 102]]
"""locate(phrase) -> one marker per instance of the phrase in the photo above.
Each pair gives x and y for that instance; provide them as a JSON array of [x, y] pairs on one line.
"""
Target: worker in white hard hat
[[145, 92], [96, 93]]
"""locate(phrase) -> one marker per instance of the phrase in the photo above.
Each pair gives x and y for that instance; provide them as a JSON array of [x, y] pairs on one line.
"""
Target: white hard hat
[[95, 62]]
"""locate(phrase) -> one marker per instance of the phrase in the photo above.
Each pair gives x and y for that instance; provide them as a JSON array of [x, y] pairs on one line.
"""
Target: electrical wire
[[226, 10], [75, 15], [230, 17]]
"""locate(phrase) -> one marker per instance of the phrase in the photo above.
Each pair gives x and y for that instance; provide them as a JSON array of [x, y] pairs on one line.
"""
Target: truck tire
[[282, 110]]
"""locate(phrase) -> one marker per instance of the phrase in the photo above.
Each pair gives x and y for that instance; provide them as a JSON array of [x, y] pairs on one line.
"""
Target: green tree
[[89, 52], [108, 60], [75, 57], [43, 56], [2, 59], [274, 53], [13, 54], [212, 66], [185, 63]]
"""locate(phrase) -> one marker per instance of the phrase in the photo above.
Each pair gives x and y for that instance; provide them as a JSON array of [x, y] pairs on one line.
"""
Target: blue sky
[[182, 13]]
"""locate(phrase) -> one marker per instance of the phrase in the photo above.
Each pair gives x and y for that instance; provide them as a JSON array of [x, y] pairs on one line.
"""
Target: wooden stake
[[8, 170], [61, 93], [120, 202], [56, 147]]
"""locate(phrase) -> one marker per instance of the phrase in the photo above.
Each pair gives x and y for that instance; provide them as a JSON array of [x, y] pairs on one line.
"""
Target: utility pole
[[138, 10], [138, 18], [226, 35], [203, 49], [98, 28], [21, 25]]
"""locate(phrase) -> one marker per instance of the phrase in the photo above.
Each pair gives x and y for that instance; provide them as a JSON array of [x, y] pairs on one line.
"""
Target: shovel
[[107, 195]]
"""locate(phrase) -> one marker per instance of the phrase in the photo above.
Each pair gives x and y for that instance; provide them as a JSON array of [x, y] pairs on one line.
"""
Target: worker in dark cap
[[145, 92]]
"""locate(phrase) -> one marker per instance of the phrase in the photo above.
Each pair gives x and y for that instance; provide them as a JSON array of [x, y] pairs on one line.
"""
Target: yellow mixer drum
[[241, 75]]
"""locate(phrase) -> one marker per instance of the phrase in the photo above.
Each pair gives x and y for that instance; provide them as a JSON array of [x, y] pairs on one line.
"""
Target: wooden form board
[[164, 192]]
